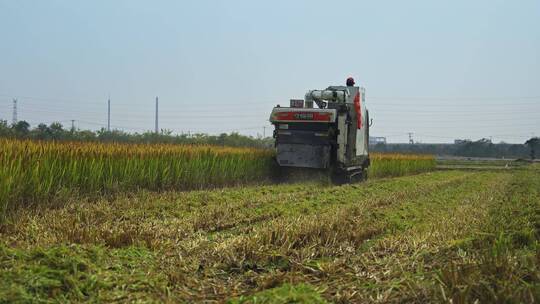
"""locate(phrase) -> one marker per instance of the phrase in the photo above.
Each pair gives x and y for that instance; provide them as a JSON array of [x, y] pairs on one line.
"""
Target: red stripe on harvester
[[303, 116], [358, 112]]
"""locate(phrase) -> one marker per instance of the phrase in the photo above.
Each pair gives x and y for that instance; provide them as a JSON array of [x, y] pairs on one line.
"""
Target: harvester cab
[[332, 136]]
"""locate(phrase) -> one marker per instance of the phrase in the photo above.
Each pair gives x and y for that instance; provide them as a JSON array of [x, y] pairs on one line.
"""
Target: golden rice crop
[[36, 172], [394, 164]]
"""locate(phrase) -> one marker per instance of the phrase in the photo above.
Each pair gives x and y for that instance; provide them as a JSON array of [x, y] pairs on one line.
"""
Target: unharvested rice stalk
[[38, 172], [393, 164], [34, 172]]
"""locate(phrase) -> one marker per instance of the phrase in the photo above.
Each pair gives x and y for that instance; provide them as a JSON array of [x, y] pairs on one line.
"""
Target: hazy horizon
[[443, 71]]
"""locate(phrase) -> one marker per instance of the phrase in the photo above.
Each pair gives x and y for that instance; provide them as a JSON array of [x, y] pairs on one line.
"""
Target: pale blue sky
[[440, 69]]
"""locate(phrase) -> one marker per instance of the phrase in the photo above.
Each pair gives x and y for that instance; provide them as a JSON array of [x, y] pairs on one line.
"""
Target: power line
[[228, 115], [452, 119], [435, 136], [490, 103], [473, 111], [375, 113], [177, 130], [385, 118], [114, 126], [184, 106], [405, 98], [453, 98], [93, 102], [454, 105]]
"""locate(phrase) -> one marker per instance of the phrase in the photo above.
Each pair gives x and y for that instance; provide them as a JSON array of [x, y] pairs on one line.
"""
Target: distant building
[[461, 141], [377, 140]]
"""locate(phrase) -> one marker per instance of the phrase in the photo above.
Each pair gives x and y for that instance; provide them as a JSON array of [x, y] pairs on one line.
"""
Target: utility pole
[[14, 118], [72, 125], [109, 114], [157, 128], [411, 141]]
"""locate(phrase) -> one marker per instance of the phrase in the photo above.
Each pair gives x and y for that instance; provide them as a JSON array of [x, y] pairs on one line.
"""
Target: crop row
[[33, 172], [387, 164]]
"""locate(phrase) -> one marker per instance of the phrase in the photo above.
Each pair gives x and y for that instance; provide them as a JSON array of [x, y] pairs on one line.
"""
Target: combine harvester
[[332, 137]]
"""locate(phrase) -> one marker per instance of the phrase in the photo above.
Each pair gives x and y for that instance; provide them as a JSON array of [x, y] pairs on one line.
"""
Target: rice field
[[33, 172], [38, 172], [114, 223], [438, 237]]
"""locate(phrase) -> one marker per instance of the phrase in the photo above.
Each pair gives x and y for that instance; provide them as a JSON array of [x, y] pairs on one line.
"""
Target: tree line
[[480, 148], [56, 131]]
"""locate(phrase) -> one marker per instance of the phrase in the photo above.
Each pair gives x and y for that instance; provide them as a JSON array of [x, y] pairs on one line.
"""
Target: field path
[[387, 240]]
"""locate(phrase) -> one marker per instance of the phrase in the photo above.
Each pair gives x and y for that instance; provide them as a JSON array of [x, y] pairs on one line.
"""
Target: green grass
[[68, 273], [481, 164], [285, 293], [505, 267], [431, 237]]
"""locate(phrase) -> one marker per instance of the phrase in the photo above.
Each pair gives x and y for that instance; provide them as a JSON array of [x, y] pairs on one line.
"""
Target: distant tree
[[222, 138], [534, 145], [115, 136], [85, 135], [41, 132], [166, 132], [57, 131], [42, 128], [21, 128], [5, 130]]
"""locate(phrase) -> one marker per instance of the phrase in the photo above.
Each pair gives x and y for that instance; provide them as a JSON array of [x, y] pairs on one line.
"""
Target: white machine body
[[335, 135]]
